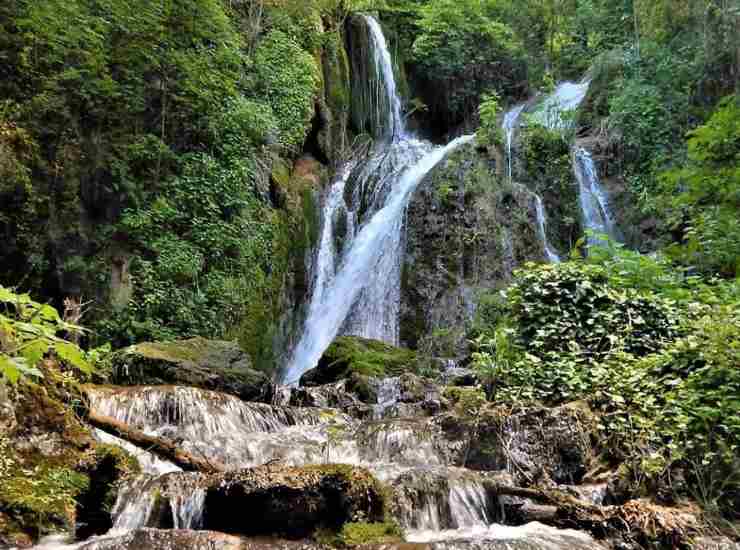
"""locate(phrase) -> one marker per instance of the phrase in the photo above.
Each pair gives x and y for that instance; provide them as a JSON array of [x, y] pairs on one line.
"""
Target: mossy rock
[[209, 364], [352, 356], [53, 475], [293, 502]]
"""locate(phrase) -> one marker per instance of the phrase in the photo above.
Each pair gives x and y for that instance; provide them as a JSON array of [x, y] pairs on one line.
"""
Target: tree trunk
[[160, 446]]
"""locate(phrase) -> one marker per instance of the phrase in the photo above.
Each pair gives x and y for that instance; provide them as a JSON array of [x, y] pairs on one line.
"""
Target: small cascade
[[532, 536], [511, 119], [593, 199], [150, 463], [434, 499], [469, 504], [224, 429], [556, 110], [550, 253], [175, 499]]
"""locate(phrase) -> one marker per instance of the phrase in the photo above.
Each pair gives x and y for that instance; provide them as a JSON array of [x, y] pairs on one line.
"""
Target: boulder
[[466, 231], [535, 444], [291, 501], [209, 364], [356, 358]]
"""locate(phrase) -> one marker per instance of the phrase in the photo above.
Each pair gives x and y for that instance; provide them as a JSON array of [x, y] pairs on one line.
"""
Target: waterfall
[[384, 69], [550, 253], [554, 112], [357, 291], [593, 199], [509, 125]]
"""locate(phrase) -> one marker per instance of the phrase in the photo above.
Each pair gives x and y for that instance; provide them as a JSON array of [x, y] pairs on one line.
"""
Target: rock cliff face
[[466, 231]]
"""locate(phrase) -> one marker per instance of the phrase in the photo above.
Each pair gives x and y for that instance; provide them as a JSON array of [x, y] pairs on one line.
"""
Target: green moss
[[360, 533], [40, 496], [370, 357]]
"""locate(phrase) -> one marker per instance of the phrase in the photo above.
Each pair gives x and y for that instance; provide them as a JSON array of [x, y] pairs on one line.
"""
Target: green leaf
[[73, 355]]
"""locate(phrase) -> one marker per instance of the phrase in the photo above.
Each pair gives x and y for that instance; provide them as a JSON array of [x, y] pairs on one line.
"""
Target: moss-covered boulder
[[210, 364], [53, 475], [292, 501], [356, 359]]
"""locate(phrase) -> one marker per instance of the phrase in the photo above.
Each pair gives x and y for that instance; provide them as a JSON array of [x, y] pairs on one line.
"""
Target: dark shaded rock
[[330, 396], [535, 444], [352, 355], [466, 230], [209, 364], [291, 502]]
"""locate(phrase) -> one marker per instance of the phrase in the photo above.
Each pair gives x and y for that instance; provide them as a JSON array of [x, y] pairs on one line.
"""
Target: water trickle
[[148, 500], [389, 393], [593, 199], [550, 253], [509, 125]]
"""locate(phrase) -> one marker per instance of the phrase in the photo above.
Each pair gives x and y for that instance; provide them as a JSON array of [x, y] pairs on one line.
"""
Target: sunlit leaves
[[29, 331]]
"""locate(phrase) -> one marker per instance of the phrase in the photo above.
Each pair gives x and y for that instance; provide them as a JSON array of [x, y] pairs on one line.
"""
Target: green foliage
[[463, 51], [703, 195], [490, 132], [28, 332], [656, 357], [290, 88]]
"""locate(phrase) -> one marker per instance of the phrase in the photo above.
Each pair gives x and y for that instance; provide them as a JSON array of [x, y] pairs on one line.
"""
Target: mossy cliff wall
[[466, 230]]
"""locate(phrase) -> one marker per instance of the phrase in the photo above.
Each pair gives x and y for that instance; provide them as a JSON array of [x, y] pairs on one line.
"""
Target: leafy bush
[[462, 50], [703, 195], [657, 360], [28, 332]]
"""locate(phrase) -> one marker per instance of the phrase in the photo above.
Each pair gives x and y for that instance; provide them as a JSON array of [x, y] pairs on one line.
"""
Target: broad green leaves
[[28, 332]]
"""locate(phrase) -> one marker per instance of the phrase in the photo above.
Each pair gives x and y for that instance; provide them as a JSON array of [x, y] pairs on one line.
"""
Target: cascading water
[[359, 293], [593, 199], [509, 125], [511, 119], [436, 499], [556, 110], [550, 253]]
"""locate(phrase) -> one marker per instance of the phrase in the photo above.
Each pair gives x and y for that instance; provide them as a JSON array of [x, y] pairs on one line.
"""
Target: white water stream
[[358, 291]]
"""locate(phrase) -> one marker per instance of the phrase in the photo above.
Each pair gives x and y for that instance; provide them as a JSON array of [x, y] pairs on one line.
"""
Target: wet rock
[[156, 539], [291, 502], [357, 359], [330, 396], [209, 364], [466, 231], [535, 444]]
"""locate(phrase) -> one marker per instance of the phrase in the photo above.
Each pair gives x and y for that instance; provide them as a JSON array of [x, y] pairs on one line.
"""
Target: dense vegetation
[[160, 164]]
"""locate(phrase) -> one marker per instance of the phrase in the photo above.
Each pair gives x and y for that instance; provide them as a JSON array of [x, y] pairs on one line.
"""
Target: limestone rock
[[209, 364], [466, 231]]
